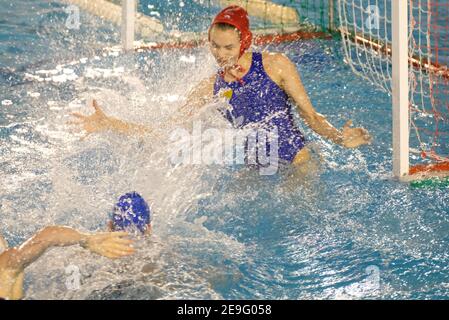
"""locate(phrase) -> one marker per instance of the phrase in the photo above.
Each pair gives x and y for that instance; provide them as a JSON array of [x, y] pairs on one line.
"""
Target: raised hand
[[110, 244], [354, 137], [96, 122]]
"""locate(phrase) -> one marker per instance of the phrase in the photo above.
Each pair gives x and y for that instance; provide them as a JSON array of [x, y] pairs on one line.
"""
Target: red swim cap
[[238, 17]]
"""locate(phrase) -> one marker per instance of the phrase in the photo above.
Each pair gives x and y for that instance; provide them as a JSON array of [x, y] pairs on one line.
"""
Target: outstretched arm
[[99, 121], [291, 83], [109, 244]]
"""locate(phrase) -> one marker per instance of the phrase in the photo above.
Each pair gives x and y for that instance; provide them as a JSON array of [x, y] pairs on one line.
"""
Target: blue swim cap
[[131, 210]]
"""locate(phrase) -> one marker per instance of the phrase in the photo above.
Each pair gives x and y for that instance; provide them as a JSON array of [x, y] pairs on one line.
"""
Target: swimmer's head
[[131, 212], [229, 35]]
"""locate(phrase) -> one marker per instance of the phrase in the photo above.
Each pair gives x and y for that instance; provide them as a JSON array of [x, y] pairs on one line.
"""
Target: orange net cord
[[438, 167]]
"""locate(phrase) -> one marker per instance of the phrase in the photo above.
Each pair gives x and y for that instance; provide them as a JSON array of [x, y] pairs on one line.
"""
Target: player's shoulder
[[275, 59]]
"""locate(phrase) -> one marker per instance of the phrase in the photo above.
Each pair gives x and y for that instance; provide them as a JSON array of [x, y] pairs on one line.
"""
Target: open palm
[[354, 137], [110, 244], [96, 122]]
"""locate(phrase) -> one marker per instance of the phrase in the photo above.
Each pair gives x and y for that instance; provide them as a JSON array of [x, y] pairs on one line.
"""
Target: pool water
[[348, 232]]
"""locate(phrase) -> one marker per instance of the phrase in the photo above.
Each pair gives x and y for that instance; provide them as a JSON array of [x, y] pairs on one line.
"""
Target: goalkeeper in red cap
[[258, 86]]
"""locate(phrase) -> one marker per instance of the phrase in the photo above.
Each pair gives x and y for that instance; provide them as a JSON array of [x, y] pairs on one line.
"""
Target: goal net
[[366, 33]]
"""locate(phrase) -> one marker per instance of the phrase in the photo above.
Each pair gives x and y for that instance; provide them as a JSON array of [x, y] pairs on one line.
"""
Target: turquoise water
[[349, 232]]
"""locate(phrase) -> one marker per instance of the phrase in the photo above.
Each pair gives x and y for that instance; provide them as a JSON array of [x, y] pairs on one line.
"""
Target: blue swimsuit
[[257, 99]]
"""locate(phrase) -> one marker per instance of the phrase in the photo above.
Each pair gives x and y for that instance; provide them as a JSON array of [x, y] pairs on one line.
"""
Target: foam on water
[[84, 178]]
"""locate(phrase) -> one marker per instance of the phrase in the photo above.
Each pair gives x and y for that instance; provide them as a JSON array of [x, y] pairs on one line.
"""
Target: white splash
[[34, 94], [188, 59]]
